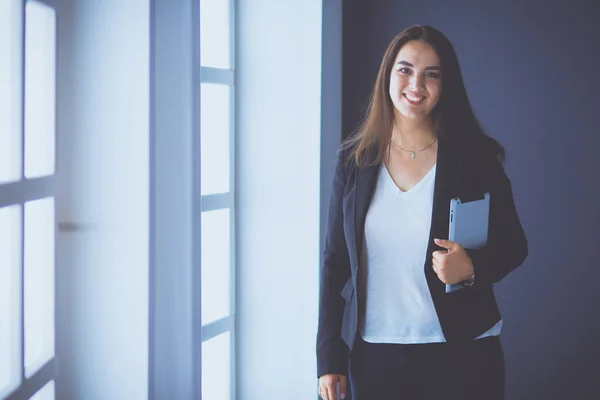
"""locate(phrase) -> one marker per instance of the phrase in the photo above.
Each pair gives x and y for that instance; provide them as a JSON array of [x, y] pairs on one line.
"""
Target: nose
[[416, 83]]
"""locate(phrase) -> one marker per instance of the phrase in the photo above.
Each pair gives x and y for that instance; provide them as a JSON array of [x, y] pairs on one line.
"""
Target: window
[[217, 94], [27, 192], [45, 393]]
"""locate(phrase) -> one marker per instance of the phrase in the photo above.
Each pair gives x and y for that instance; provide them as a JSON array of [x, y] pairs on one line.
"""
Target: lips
[[413, 99]]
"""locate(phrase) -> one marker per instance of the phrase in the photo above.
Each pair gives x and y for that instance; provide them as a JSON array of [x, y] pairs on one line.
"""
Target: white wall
[[278, 136], [103, 139]]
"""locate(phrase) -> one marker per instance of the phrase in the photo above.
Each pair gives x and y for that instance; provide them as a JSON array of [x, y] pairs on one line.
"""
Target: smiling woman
[[387, 327], [415, 84], [419, 66]]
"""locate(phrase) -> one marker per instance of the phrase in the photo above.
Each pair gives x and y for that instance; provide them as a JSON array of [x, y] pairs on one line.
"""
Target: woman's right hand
[[327, 386]]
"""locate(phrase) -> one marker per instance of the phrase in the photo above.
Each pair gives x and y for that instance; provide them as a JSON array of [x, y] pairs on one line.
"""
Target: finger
[[323, 392], [330, 392], [439, 262], [441, 276], [343, 386], [440, 254], [447, 244], [439, 271], [436, 269]]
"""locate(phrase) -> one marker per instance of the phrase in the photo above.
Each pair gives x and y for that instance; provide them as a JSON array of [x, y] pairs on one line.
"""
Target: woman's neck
[[414, 136]]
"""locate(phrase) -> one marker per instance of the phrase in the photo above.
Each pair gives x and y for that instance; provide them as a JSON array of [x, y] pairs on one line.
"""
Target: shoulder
[[346, 157], [481, 164], [484, 152], [345, 164]]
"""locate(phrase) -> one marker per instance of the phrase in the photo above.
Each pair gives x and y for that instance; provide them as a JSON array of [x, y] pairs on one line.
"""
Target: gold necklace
[[413, 153]]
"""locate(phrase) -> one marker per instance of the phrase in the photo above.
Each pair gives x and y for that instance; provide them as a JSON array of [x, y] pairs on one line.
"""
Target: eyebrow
[[426, 69]]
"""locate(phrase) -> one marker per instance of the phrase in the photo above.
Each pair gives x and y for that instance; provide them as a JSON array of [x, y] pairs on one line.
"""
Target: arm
[[332, 352], [507, 244]]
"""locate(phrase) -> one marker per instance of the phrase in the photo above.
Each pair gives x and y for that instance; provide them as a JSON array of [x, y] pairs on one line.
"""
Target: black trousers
[[434, 371]]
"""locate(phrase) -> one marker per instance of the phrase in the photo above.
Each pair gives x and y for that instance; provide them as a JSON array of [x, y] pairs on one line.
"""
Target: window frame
[[21, 191], [213, 202], [176, 333]]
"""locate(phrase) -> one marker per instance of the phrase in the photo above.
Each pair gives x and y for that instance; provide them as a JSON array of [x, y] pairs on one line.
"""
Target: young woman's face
[[415, 81]]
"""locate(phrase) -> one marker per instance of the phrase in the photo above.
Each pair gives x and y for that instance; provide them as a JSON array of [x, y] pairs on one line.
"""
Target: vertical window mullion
[[197, 203], [22, 99], [21, 175], [232, 185], [232, 130]]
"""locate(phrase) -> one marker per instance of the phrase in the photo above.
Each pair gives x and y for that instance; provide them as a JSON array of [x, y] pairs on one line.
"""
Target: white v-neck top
[[396, 305]]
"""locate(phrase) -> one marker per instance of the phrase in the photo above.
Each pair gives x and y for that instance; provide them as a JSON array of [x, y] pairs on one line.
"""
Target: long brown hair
[[453, 116]]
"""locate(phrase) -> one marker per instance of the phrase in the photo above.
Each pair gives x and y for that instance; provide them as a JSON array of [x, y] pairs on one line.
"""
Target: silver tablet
[[469, 222]]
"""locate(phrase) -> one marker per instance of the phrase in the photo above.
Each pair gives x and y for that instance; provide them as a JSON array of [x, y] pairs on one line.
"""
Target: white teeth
[[412, 98]]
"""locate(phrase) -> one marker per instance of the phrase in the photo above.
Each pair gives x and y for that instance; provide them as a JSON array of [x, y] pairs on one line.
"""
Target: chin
[[413, 116]]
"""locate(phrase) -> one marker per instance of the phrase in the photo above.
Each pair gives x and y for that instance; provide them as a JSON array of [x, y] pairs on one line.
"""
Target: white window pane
[[39, 284], [40, 59], [215, 265], [216, 368], [214, 137], [214, 33], [10, 89], [45, 393], [10, 299]]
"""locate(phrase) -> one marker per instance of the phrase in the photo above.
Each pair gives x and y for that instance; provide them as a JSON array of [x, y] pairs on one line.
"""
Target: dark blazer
[[462, 170]]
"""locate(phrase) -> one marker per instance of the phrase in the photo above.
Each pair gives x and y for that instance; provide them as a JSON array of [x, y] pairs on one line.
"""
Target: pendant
[[412, 155]]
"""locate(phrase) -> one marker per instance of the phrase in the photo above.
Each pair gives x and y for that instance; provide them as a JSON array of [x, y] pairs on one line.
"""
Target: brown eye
[[404, 70], [433, 75]]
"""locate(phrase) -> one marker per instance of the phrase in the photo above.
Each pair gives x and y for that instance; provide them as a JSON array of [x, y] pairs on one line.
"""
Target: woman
[[386, 321]]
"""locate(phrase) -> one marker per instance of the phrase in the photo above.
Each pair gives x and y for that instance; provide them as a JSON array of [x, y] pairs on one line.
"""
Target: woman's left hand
[[452, 266]]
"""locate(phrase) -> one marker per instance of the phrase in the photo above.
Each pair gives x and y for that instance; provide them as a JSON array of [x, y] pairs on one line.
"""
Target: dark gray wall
[[531, 70]]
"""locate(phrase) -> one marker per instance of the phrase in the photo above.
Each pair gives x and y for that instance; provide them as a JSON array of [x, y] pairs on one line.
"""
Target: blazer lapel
[[449, 164], [366, 179]]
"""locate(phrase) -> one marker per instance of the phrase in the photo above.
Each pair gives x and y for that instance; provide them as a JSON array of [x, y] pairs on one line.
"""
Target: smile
[[414, 100]]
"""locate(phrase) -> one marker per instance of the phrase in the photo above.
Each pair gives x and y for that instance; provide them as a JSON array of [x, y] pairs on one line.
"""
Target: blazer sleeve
[[332, 352], [507, 245]]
